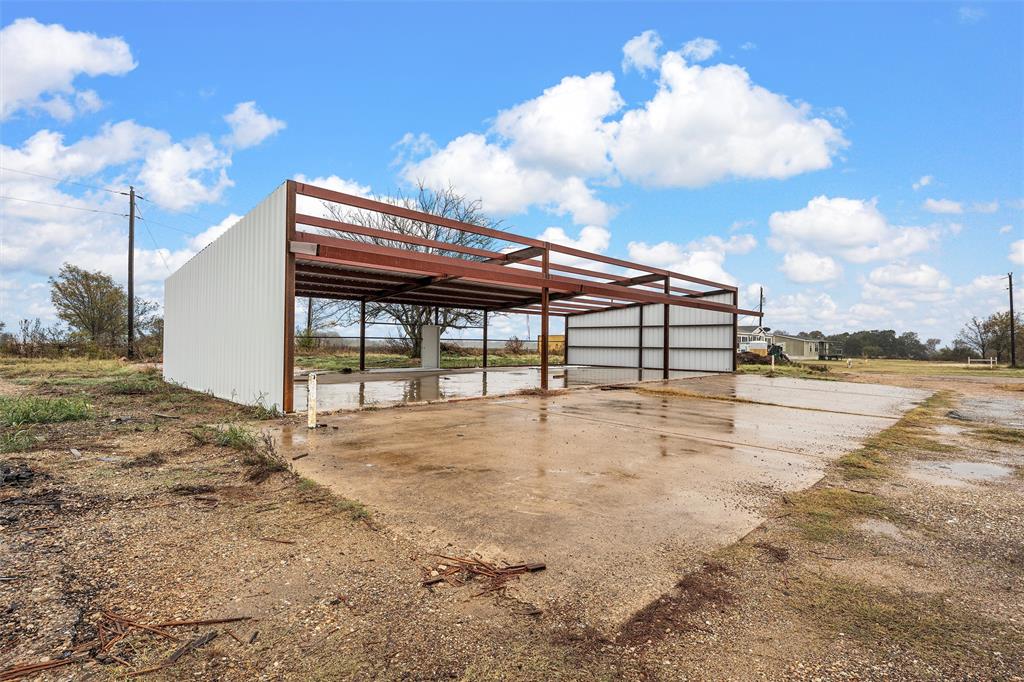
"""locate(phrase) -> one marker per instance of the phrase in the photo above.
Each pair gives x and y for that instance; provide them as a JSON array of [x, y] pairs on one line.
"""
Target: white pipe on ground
[[311, 401]]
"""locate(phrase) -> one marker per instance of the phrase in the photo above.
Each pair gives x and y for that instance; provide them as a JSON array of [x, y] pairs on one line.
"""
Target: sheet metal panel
[[699, 340], [224, 311]]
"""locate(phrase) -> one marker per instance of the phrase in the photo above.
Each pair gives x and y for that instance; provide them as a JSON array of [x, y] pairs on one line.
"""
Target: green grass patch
[[18, 410], [1000, 434], [356, 511], [140, 385], [823, 514], [925, 624], [16, 441], [226, 435]]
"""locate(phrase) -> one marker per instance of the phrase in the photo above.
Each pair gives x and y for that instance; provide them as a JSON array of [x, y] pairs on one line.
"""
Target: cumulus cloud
[[853, 229], [204, 238], [489, 171], [40, 62], [565, 129], [942, 206], [699, 49], [805, 267], [805, 310], [702, 125], [704, 258], [923, 182], [641, 52], [968, 14], [707, 124], [185, 174], [1006, 229], [1017, 252], [250, 126], [985, 206]]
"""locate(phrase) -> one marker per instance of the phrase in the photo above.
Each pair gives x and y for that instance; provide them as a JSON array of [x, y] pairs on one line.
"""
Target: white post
[[773, 362], [311, 401]]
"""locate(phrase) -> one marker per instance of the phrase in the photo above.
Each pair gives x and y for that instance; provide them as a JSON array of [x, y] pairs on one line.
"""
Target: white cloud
[[805, 267], [699, 49], [982, 286], [591, 238], [250, 126], [185, 174], [488, 171], [923, 277], [802, 311], [1006, 229], [985, 206], [1017, 252], [970, 15], [748, 46], [43, 60], [641, 52], [707, 124], [564, 129], [942, 206], [869, 311], [851, 228], [201, 240], [704, 258], [924, 181], [338, 184]]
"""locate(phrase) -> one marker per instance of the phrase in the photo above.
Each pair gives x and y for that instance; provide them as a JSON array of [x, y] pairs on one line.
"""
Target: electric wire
[[153, 239], [75, 208], [63, 181]]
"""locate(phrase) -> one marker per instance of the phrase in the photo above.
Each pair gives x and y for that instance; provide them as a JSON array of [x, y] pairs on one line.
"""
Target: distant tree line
[[93, 313], [980, 338]]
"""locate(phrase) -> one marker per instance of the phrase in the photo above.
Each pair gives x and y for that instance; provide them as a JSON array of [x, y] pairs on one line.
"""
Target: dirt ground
[[906, 561]]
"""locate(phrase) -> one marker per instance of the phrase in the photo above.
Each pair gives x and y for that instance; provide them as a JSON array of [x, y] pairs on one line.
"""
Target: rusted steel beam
[[382, 257], [544, 316], [665, 336], [419, 216], [412, 297]]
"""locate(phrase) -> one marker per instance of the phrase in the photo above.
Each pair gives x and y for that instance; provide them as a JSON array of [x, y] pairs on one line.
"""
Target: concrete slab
[[386, 388], [618, 492]]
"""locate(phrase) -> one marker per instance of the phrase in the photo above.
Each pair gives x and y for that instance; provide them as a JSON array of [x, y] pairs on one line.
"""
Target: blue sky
[[864, 162]]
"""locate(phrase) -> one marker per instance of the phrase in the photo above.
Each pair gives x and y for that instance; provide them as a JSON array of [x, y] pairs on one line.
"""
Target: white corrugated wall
[[224, 311], [700, 340]]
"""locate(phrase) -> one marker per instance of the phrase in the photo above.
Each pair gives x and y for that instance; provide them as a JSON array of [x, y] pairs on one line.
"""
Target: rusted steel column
[[485, 338], [664, 341], [362, 336], [735, 318], [288, 386], [544, 301], [565, 343]]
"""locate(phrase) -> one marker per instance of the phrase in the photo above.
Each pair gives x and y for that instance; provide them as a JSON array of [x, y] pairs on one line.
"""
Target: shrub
[[515, 346]]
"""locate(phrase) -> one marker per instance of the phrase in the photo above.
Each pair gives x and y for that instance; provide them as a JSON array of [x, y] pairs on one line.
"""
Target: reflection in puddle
[[382, 389], [958, 473]]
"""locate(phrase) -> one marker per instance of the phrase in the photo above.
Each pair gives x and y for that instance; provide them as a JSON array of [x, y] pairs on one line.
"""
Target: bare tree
[[444, 202], [975, 336]]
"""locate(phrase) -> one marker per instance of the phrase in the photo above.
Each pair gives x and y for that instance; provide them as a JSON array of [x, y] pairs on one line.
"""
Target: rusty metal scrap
[[458, 571]]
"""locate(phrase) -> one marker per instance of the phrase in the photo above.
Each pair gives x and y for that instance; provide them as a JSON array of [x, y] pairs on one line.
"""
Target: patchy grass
[[261, 412], [356, 511], [1000, 434], [16, 441], [796, 371], [15, 411], [824, 514], [135, 385], [48, 368], [226, 435], [921, 368], [264, 459], [874, 458], [925, 624]]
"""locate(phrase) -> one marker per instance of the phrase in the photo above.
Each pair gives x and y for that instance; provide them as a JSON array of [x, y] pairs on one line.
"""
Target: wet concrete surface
[[386, 388], [620, 493], [1001, 411]]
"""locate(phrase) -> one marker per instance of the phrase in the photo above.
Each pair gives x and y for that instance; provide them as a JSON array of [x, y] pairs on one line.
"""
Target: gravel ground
[[137, 519]]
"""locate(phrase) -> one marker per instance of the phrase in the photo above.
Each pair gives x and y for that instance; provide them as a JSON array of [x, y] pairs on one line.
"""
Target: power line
[[63, 181], [153, 239], [75, 208], [169, 227]]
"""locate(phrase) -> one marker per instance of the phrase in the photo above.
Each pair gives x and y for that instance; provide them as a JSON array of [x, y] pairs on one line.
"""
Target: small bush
[[397, 346], [261, 411], [264, 459], [141, 385], [15, 411], [228, 435], [515, 346]]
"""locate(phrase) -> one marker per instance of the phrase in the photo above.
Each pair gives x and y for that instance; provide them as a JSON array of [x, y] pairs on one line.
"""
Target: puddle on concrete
[[337, 391], [957, 474], [1003, 411]]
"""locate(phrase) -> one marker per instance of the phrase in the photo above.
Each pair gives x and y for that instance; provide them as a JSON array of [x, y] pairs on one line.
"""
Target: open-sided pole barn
[[229, 311]]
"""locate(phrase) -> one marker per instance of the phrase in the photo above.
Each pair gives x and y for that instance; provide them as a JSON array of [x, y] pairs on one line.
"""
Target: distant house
[[760, 339]]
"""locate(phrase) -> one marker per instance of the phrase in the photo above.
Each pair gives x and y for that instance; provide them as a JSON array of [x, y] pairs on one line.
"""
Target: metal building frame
[[333, 259]]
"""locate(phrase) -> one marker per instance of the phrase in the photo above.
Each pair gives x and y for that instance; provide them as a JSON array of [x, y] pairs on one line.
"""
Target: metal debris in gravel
[[457, 571]]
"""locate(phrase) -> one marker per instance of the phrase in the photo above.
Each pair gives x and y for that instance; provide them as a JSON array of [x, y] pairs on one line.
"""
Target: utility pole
[[309, 316], [131, 272], [1013, 326], [760, 305]]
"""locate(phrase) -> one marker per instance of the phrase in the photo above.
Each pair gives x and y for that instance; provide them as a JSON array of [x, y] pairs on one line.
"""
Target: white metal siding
[[224, 311], [698, 339]]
